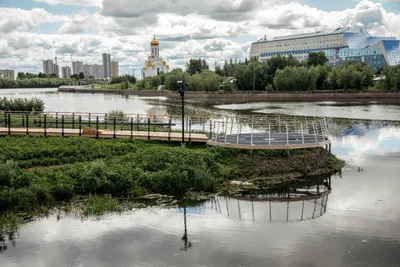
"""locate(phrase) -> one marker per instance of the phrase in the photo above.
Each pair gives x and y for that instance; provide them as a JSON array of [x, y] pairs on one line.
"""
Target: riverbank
[[38, 173], [241, 97]]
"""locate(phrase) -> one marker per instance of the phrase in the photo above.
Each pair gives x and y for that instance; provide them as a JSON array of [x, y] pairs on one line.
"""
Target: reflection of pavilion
[[293, 205]]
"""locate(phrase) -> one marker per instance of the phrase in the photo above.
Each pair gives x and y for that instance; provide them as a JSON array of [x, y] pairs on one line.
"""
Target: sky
[[34, 30]]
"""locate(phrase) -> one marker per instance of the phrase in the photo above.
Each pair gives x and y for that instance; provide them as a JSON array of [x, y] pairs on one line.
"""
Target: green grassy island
[[38, 174]]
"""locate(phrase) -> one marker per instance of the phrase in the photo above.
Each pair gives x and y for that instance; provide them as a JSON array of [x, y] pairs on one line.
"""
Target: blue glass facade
[[392, 49], [361, 47], [362, 39]]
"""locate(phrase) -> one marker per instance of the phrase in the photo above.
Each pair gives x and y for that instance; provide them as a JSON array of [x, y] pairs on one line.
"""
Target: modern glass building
[[339, 46]]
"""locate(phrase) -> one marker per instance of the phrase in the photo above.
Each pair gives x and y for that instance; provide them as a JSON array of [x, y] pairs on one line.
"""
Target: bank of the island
[[251, 96], [39, 175]]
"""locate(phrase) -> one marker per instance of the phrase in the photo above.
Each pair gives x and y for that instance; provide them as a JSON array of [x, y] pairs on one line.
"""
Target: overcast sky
[[34, 30]]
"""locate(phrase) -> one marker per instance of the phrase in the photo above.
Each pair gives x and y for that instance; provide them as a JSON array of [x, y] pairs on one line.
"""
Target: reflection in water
[[186, 243], [295, 204]]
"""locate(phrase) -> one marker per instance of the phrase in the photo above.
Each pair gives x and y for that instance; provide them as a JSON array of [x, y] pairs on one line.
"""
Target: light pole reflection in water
[[186, 243]]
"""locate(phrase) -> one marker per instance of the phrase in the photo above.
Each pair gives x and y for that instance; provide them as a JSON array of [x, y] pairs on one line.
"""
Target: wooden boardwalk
[[142, 135]]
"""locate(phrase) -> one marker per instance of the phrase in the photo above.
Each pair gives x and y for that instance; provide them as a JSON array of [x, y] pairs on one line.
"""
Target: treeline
[[41, 82], [392, 79], [277, 74], [21, 104]]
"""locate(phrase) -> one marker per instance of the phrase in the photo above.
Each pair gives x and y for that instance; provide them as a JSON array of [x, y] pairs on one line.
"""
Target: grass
[[104, 171]]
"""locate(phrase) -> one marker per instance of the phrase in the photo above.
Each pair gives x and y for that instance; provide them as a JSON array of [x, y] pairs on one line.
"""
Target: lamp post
[[182, 93]]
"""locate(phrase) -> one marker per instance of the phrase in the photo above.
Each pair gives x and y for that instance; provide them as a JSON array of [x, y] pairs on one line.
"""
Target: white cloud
[[94, 3], [210, 30], [218, 9], [15, 19]]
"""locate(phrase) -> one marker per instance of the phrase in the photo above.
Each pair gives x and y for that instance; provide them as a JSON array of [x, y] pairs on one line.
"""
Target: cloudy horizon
[[81, 30]]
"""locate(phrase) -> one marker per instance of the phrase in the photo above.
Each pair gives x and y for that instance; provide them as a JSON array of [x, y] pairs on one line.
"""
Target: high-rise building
[[66, 72], [95, 70], [48, 66], [107, 65], [339, 46], [7, 74], [114, 69], [77, 67]]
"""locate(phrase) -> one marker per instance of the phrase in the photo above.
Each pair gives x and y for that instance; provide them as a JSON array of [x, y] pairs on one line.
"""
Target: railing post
[[56, 120], [190, 130], [169, 128], [302, 132], [115, 124], [252, 130], [279, 123], [269, 134], [62, 125], [226, 129], [211, 135], [27, 124], [148, 128], [45, 124], [73, 120], [105, 121], [315, 132], [97, 127], [9, 123], [80, 125], [89, 121], [137, 123], [131, 127], [287, 135], [238, 133]]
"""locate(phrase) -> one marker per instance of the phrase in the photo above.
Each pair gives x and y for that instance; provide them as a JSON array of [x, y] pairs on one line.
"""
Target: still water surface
[[359, 226]]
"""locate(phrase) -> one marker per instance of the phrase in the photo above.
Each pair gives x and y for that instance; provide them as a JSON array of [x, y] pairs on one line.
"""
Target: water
[[91, 103], [358, 224]]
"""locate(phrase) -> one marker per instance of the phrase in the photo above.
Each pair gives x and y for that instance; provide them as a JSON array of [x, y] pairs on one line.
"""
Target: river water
[[357, 224]]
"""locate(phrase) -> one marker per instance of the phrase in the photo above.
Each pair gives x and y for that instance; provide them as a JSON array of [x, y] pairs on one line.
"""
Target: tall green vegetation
[[21, 104], [392, 78], [40, 172], [40, 82], [316, 59], [196, 66], [295, 79]]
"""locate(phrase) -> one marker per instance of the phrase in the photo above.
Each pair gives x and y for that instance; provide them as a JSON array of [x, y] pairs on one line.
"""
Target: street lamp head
[[184, 83]]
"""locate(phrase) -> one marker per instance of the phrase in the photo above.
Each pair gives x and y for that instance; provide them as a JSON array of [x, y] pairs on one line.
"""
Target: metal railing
[[269, 130], [103, 121]]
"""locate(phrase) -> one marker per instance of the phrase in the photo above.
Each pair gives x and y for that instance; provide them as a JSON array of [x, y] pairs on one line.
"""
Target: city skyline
[[33, 31]]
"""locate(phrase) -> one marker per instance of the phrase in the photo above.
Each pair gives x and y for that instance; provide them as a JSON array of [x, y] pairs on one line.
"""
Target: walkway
[[142, 135]]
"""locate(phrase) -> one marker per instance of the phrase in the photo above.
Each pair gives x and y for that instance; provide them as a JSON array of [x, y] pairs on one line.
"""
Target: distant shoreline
[[218, 97]]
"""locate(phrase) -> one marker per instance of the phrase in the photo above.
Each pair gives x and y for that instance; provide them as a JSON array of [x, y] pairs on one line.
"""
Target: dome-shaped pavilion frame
[[272, 131]]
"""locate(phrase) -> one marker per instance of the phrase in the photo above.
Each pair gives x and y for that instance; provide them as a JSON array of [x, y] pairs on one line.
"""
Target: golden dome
[[154, 41], [144, 68]]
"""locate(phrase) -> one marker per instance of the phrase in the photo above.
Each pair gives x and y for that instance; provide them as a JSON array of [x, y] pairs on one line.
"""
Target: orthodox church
[[154, 65]]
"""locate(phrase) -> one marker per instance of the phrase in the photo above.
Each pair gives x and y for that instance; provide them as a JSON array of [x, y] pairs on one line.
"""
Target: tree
[[295, 79], [323, 72], [367, 76], [172, 78], [196, 66], [81, 76], [20, 75], [315, 59]]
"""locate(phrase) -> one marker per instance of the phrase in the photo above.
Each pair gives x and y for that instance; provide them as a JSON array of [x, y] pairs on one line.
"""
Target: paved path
[[143, 135]]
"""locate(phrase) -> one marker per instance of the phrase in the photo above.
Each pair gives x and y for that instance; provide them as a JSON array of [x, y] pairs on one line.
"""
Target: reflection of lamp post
[[187, 244], [182, 93]]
